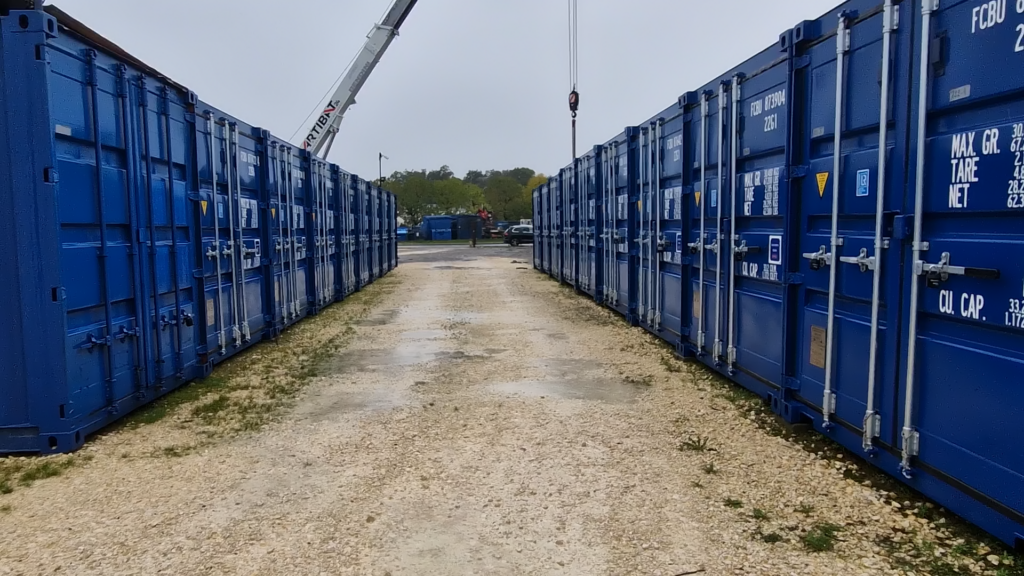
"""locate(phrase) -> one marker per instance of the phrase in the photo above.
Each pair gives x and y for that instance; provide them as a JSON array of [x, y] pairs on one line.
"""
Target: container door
[[556, 227], [961, 407], [668, 243], [538, 243], [590, 259], [231, 239], [571, 232], [757, 139], [846, 345], [647, 210], [706, 221], [620, 228]]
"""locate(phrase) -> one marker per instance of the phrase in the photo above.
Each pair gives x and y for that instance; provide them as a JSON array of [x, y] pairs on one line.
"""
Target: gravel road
[[480, 420]]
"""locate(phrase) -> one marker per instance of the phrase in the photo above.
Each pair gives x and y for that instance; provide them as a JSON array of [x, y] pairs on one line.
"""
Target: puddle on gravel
[[405, 354], [573, 379], [422, 334], [379, 318], [597, 389], [416, 351], [375, 399], [566, 367]]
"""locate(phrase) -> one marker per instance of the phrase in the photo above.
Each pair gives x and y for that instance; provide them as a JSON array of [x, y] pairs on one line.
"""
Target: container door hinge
[[829, 403], [197, 273], [801, 62], [911, 448], [794, 279], [798, 171], [50, 175], [872, 429], [791, 383]]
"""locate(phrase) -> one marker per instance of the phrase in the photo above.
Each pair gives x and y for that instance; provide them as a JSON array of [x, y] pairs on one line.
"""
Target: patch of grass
[[822, 537], [697, 484], [760, 514], [709, 468], [644, 381], [733, 503], [5, 486], [43, 470], [6, 509], [175, 451], [962, 549], [212, 408], [670, 365], [805, 509], [696, 444], [169, 404], [771, 538]]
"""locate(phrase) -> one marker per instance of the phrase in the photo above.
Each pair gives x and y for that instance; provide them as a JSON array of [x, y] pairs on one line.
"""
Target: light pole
[[380, 168]]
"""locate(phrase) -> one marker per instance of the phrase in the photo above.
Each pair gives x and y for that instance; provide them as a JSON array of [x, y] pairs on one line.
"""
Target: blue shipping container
[[831, 225], [147, 234]]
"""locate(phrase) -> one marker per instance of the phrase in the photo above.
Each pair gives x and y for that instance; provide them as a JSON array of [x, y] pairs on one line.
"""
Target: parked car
[[517, 235]]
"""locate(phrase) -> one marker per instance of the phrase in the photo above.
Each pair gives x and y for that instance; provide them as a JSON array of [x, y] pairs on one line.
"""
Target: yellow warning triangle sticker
[[822, 179], [314, 215], [273, 212], [203, 203], [696, 196]]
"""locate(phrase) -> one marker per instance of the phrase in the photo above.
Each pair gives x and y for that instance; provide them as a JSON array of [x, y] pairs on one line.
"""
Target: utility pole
[[380, 168]]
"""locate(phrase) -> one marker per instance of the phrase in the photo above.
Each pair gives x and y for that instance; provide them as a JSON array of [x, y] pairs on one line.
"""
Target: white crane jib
[[325, 128]]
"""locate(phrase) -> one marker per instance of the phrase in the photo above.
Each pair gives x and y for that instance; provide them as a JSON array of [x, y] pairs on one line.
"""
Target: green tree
[[443, 173], [505, 196], [520, 175], [534, 182]]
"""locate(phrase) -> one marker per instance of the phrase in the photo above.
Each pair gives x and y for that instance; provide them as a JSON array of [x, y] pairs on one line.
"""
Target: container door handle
[[936, 274]]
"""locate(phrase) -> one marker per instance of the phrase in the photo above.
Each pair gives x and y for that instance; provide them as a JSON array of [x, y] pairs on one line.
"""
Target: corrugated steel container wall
[[663, 251], [232, 243], [151, 235], [887, 268], [963, 328], [590, 268], [96, 243], [538, 234], [620, 219]]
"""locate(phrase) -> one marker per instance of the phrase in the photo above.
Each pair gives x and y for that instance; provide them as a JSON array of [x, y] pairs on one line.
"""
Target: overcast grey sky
[[475, 84]]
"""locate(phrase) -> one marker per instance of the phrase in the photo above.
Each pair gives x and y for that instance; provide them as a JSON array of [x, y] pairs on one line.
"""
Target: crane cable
[[574, 96]]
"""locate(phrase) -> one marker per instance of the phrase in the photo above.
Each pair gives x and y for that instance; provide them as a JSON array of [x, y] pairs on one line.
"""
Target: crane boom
[[325, 128]]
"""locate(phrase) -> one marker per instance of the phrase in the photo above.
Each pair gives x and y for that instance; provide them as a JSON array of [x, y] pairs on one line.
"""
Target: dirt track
[[481, 420]]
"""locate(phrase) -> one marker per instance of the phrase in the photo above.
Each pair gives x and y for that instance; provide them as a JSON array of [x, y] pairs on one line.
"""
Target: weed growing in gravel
[[760, 514], [709, 468], [697, 484], [43, 470], [6, 509], [821, 538], [696, 444], [175, 451], [771, 538], [733, 503], [212, 408], [26, 471], [644, 381], [671, 365], [805, 509]]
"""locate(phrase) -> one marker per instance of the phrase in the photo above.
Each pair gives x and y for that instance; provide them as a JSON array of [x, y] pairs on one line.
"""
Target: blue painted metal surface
[[856, 188], [149, 235]]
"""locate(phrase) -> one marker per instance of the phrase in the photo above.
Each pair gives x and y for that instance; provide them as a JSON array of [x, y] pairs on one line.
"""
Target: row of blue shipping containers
[[146, 236], [838, 225]]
